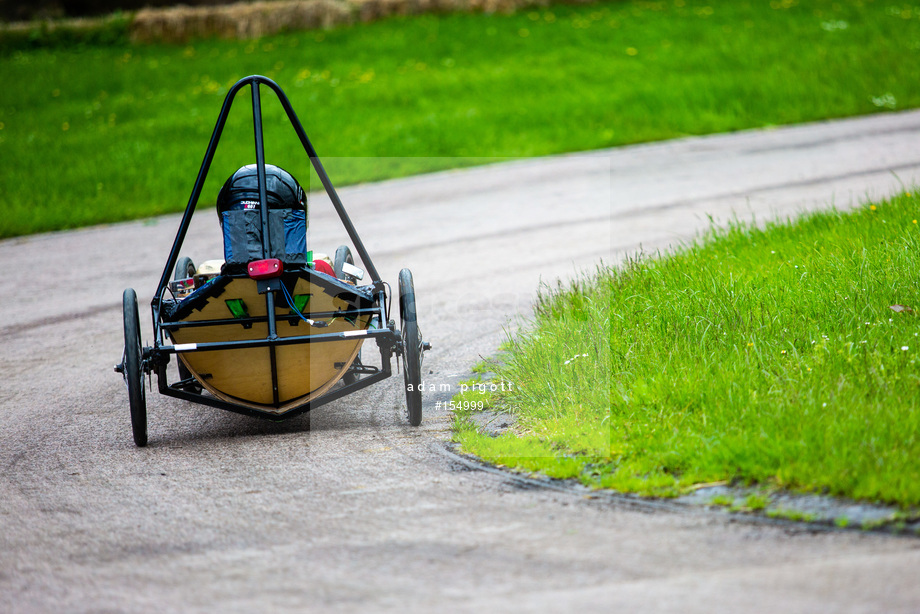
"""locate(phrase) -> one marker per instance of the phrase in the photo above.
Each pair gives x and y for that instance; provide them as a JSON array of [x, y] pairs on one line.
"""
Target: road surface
[[364, 513]]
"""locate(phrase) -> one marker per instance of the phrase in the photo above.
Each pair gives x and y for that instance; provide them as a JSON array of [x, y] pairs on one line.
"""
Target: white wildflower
[[834, 25], [886, 100]]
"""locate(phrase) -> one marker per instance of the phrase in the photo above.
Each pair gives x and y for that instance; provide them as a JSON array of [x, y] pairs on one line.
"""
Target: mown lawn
[[95, 134], [787, 357]]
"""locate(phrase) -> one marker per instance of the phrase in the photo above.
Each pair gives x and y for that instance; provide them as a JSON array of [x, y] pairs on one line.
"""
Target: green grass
[[723, 500], [113, 29], [100, 133], [794, 515], [755, 356], [755, 502]]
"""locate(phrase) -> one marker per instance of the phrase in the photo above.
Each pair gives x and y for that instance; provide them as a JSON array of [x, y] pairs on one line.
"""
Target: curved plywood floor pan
[[284, 408], [305, 371]]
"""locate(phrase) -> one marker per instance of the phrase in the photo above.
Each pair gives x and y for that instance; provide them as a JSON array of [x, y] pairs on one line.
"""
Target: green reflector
[[300, 301], [237, 307]]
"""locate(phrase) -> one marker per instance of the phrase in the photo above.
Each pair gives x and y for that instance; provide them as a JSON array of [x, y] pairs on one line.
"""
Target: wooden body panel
[[305, 371]]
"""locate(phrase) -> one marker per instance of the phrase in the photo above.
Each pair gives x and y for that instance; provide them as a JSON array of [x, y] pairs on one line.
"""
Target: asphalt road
[[364, 513]]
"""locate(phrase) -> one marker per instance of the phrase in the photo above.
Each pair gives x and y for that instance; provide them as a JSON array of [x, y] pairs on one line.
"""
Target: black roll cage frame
[[387, 337]]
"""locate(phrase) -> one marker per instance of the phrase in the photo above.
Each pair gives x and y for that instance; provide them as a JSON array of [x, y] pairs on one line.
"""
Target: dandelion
[[872, 207]]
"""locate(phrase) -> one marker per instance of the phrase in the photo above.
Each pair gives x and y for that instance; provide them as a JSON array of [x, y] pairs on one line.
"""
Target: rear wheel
[[185, 268], [133, 366], [411, 347], [342, 256]]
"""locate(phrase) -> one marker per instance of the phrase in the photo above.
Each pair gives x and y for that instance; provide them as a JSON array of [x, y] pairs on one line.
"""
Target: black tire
[[342, 255], [185, 268], [411, 347], [134, 368]]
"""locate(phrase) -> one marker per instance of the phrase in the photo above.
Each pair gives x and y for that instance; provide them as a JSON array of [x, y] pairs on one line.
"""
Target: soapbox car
[[268, 332]]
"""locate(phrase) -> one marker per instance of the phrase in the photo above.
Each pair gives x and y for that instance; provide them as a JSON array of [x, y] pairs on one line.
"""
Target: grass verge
[[99, 133], [787, 356]]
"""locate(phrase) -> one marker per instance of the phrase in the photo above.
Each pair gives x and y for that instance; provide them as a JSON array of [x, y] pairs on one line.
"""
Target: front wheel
[[185, 268], [342, 257], [133, 368], [411, 348]]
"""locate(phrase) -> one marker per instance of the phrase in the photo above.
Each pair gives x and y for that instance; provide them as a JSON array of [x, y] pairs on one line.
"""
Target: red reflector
[[265, 269]]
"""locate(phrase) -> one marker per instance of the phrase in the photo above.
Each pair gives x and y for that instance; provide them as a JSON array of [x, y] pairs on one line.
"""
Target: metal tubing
[[260, 166], [272, 358], [258, 343], [385, 338], [324, 178], [248, 411], [381, 304], [266, 229], [321, 315], [195, 195], [254, 82]]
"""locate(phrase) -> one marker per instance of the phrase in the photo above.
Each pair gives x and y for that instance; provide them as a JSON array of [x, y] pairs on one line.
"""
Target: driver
[[243, 237]]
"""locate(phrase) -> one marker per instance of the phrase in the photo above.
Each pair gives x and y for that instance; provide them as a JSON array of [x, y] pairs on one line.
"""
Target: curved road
[[363, 513]]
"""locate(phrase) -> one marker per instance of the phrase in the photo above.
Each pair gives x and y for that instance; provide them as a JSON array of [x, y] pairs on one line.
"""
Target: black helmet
[[241, 190]]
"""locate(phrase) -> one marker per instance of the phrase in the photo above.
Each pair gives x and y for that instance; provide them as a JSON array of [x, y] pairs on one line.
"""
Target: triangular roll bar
[[255, 82]]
